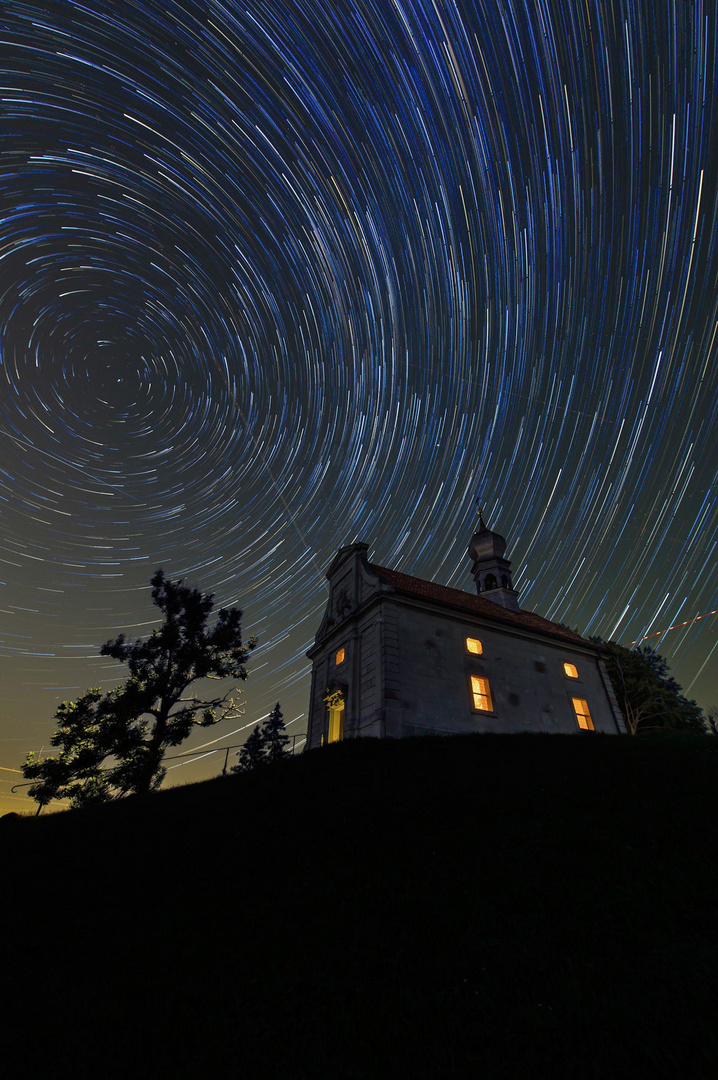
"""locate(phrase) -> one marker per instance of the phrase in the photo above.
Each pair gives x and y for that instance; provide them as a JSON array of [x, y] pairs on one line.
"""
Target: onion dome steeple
[[491, 571]]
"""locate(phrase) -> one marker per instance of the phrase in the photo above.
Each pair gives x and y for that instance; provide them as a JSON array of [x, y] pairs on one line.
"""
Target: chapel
[[396, 656]]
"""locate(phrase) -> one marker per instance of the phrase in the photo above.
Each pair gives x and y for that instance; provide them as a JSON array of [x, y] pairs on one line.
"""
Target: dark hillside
[[490, 906]]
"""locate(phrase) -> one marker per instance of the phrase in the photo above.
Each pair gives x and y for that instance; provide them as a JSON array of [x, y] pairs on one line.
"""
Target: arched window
[[489, 581]]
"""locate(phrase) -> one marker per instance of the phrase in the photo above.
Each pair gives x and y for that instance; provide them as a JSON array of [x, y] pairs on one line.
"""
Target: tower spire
[[491, 571]]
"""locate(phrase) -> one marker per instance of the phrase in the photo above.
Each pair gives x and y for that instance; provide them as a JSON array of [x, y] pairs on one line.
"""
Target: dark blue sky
[[278, 276]]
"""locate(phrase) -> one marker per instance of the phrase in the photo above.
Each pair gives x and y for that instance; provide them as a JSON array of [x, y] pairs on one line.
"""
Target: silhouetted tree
[[650, 698], [275, 737], [252, 754], [113, 744], [710, 720], [266, 745]]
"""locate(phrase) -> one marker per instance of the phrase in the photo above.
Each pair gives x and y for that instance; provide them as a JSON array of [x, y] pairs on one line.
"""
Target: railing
[[195, 755]]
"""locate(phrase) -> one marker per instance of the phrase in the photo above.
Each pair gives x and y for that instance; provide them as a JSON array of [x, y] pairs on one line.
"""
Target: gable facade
[[397, 656]]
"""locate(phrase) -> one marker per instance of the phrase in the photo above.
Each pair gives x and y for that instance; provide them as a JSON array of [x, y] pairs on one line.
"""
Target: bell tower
[[491, 571]]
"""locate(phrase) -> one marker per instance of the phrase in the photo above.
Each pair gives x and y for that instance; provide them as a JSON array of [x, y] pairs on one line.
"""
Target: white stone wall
[[529, 689], [406, 669]]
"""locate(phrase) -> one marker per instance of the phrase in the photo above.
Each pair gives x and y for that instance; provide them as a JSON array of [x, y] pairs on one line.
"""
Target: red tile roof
[[469, 602]]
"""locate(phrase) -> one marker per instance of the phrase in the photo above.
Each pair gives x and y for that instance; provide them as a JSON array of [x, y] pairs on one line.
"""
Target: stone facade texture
[[406, 670]]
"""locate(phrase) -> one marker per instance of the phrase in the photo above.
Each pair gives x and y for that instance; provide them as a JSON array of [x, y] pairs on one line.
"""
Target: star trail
[[279, 276]]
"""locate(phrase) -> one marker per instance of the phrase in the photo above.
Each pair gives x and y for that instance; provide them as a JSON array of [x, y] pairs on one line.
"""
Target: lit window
[[481, 693], [335, 706], [583, 716], [474, 646], [571, 670], [339, 658]]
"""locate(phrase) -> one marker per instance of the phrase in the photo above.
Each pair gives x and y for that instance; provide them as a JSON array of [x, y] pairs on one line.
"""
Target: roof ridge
[[471, 601]]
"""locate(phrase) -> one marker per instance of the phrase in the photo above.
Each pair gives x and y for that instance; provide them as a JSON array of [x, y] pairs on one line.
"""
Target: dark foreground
[[490, 906]]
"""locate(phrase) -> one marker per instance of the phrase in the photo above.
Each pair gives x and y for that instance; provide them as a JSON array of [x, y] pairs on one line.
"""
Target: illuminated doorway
[[335, 705]]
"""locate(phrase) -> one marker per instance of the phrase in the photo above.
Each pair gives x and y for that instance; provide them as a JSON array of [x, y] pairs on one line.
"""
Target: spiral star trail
[[279, 276]]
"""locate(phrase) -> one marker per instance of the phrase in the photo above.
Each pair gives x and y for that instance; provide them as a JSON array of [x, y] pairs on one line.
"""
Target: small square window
[[339, 658], [474, 646], [481, 693], [570, 670], [583, 715]]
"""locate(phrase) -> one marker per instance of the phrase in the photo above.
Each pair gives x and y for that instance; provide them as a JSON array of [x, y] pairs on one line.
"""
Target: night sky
[[279, 276]]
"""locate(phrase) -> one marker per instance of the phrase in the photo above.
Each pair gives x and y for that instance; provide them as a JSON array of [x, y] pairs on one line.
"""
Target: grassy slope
[[490, 906]]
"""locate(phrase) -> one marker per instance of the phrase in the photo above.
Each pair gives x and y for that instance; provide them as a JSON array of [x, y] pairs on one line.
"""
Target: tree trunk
[[154, 756]]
